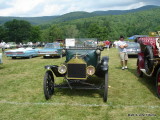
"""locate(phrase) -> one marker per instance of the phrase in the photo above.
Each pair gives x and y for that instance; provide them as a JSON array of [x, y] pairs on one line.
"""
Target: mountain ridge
[[74, 15]]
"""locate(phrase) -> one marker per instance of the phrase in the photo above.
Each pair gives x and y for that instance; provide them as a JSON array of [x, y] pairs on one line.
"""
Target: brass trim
[[77, 78], [61, 66], [76, 60], [93, 68]]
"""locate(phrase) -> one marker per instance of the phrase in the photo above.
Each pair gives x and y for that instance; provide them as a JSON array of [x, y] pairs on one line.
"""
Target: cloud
[[58, 7]]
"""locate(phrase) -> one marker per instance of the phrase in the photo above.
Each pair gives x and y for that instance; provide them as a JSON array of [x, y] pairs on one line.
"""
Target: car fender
[[104, 63], [54, 69], [102, 67], [140, 60]]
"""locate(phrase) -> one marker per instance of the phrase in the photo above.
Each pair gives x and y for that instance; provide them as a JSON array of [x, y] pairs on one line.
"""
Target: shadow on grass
[[133, 56], [84, 92], [55, 57], [149, 82], [1, 66]]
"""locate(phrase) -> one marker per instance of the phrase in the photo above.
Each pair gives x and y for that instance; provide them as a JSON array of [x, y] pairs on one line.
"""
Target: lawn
[[22, 98]]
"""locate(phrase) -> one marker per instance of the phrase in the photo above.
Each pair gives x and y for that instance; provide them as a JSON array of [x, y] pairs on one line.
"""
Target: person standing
[[3, 46], [107, 44], [123, 52]]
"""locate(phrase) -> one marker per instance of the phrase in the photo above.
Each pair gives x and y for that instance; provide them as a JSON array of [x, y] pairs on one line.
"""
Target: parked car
[[22, 52], [148, 62], [83, 60], [51, 50], [12, 45], [133, 48]]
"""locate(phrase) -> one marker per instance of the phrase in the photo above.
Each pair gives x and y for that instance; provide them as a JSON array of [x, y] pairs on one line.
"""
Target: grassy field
[[22, 98]]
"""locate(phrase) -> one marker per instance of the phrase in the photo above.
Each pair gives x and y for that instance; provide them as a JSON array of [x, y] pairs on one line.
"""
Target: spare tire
[[148, 59]]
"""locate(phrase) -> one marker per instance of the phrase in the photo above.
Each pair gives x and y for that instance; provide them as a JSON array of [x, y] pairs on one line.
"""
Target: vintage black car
[[83, 59]]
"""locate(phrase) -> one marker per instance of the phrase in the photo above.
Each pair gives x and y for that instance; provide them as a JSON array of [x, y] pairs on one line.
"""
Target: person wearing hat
[[123, 52]]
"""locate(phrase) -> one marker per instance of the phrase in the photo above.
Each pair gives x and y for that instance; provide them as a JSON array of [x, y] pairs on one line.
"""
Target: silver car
[[133, 48]]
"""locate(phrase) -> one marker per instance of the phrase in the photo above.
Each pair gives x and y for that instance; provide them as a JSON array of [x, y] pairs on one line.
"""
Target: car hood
[[89, 56]]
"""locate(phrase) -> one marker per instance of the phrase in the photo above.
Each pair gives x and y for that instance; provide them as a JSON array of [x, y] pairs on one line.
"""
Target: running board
[[144, 71]]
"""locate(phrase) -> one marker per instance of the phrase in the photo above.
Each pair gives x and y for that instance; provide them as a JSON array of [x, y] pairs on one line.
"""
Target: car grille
[[76, 71]]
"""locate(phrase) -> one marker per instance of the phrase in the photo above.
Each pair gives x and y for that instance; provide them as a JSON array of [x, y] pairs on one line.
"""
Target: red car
[[148, 61]]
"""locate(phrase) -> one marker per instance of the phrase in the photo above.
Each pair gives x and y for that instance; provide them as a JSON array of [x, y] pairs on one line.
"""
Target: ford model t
[[83, 59], [148, 61]]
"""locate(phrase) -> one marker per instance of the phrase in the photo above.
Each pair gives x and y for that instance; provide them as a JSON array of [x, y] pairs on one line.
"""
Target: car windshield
[[133, 45], [52, 45], [81, 42]]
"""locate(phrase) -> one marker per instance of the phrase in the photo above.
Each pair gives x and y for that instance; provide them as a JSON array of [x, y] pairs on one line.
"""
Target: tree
[[96, 31], [18, 30], [71, 31], [35, 34], [2, 33], [53, 33]]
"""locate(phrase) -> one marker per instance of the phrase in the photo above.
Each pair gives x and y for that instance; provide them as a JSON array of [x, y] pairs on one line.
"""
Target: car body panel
[[89, 55], [133, 48], [22, 52], [51, 49]]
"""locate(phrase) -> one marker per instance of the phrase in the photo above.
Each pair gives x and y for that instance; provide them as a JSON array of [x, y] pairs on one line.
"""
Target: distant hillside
[[32, 20], [81, 14], [74, 16], [120, 12]]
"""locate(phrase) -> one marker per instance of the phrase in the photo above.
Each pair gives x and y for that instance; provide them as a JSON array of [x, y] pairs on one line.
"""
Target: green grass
[[22, 98]]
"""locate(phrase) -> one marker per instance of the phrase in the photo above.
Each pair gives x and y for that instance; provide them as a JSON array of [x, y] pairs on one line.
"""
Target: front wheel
[[158, 83], [48, 84], [105, 87]]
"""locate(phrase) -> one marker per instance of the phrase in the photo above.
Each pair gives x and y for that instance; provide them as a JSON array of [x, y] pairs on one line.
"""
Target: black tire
[[44, 57], [60, 56], [13, 57], [30, 57], [105, 87], [139, 72], [158, 83], [148, 59], [48, 84]]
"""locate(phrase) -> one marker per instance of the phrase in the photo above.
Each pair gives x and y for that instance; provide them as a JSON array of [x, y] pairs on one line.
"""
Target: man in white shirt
[[123, 52]]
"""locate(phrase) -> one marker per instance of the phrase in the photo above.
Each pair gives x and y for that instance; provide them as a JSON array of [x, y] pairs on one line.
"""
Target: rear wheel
[[48, 84], [158, 83], [148, 59], [105, 87]]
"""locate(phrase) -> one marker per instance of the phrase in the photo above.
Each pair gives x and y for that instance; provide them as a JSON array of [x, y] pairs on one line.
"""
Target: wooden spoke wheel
[[48, 84]]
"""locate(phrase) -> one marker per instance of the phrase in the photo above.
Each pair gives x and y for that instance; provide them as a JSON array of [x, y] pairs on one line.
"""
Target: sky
[[35, 8]]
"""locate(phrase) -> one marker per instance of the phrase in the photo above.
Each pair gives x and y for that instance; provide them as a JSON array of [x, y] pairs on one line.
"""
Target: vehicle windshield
[[81, 42], [52, 45], [133, 45]]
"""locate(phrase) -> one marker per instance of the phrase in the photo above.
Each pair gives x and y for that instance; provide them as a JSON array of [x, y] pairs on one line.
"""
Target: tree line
[[108, 27]]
